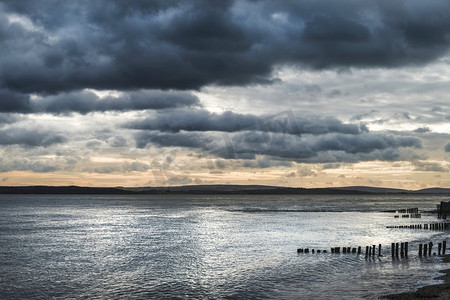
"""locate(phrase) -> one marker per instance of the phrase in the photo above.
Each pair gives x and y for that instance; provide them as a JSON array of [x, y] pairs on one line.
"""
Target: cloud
[[84, 102], [11, 101], [6, 118], [117, 168], [331, 147], [203, 120], [25, 164], [188, 45], [429, 166], [447, 147], [30, 137], [423, 129], [179, 180]]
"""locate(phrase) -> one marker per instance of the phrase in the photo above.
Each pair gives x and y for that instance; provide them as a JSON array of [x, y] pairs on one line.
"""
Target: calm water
[[207, 246]]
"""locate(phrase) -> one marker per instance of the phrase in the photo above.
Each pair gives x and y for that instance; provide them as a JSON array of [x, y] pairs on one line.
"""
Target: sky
[[159, 93]]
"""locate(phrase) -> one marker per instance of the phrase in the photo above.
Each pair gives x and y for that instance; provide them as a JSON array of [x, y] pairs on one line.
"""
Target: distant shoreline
[[217, 190]]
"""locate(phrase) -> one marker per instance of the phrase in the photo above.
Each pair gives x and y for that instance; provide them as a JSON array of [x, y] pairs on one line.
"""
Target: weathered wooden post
[[367, 251], [337, 249], [312, 251], [344, 250], [420, 249], [444, 246], [353, 250], [406, 249], [392, 249], [430, 245], [379, 249], [425, 249], [359, 249], [401, 249], [373, 250], [396, 249], [318, 251], [348, 249], [439, 248]]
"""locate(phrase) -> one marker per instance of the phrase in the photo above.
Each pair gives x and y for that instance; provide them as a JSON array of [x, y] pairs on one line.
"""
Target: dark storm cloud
[[53, 46], [11, 101], [29, 137], [202, 120], [308, 148], [84, 102]]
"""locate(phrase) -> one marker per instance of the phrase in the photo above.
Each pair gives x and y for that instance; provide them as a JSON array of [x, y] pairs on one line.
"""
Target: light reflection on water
[[207, 246]]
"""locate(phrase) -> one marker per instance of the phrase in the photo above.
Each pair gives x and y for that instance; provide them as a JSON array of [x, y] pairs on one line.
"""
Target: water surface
[[208, 246]]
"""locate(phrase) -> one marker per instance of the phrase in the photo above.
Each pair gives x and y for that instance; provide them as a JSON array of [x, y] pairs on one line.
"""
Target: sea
[[211, 246]]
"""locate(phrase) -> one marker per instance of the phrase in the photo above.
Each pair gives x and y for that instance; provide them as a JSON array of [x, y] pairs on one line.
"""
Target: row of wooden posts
[[432, 226], [414, 210], [397, 249], [427, 248], [417, 216]]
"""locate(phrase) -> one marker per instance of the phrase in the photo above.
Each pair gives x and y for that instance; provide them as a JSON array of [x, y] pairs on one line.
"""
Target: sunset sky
[[157, 93]]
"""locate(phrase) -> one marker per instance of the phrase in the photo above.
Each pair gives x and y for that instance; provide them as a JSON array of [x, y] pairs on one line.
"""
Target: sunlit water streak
[[207, 246]]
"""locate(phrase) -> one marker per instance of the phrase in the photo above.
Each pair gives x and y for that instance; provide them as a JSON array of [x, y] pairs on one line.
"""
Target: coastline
[[436, 291]]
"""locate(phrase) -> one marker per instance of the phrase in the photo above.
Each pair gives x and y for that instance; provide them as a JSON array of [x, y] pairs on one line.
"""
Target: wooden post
[[312, 251], [318, 251], [373, 250], [420, 249], [348, 249], [444, 246], [379, 249], [406, 249], [439, 248], [430, 245], [307, 250], [392, 249], [396, 249], [344, 250], [425, 249], [332, 250], [354, 250], [402, 247], [359, 249], [367, 251]]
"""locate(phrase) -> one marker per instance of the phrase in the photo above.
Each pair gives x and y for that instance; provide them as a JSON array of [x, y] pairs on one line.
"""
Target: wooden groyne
[[431, 226], [443, 209], [408, 213], [398, 249]]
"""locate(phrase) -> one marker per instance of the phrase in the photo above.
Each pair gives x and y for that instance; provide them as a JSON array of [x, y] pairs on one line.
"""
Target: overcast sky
[[294, 93]]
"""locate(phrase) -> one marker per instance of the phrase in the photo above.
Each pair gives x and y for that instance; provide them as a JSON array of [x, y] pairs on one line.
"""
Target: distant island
[[214, 190]]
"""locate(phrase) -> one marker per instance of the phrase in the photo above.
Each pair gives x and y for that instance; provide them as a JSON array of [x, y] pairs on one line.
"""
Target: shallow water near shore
[[209, 246]]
